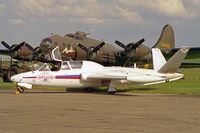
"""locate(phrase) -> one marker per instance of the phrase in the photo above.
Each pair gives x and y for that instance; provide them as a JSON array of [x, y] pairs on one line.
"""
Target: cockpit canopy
[[66, 65], [44, 67]]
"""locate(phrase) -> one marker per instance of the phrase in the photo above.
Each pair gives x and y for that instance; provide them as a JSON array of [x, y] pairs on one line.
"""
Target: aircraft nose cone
[[16, 78]]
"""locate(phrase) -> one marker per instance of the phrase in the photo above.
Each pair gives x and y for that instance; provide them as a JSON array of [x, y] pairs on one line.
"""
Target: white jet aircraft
[[87, 74]]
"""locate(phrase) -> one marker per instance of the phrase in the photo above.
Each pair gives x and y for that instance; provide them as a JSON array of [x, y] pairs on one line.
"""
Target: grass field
[[189, 85]]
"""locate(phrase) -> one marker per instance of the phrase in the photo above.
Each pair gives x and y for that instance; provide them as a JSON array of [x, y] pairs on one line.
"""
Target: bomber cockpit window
[[65, 66], [76, 64], [70, 35], [44, 67], [46, 45], [47, 42]]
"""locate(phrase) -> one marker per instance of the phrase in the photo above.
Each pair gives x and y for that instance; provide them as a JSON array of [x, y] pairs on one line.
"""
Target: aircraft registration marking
[[45, 77], [165, 45]]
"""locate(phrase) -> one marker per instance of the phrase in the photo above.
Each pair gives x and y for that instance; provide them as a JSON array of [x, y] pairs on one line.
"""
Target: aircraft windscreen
[[65, 66], [45, 67], [76, 64], [46, 45], [70, 35], [56, 54], [47, 41]]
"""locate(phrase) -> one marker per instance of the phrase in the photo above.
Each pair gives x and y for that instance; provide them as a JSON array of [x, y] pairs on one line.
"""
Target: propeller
[[91, 51], [17, 50], [130, 46], [7, 46]]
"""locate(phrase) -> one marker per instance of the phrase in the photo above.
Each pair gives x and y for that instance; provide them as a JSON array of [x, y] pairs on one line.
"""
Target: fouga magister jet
[[87, 74]]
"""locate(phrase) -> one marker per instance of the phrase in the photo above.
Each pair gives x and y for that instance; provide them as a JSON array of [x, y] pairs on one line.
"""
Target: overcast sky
[[125, 20]]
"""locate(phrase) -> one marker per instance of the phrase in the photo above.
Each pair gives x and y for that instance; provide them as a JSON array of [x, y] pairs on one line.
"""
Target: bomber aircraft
[[87, 74], [79, 46]]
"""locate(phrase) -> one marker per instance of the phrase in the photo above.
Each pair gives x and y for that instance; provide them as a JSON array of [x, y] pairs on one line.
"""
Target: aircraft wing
[[104, 75]]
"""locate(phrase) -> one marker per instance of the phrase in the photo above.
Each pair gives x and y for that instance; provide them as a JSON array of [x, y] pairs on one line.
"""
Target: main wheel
[[111, 92], [20, 90]]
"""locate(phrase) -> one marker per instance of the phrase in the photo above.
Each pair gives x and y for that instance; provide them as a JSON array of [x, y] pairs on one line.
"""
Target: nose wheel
[[19, 90]]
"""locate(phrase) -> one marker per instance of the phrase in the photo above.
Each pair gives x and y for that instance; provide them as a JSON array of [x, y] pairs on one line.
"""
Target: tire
[[111, 92], [20, 90]]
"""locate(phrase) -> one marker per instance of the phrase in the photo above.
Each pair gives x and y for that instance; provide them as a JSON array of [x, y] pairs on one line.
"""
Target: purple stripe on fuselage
[[68, 77], [58, 77]]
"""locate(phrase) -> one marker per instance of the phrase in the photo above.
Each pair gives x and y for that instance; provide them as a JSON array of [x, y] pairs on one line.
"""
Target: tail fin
[[167, 39], [158, 58], [172, 64]]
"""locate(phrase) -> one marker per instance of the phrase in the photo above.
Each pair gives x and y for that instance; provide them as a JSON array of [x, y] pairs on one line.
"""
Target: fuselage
[[81, 74]]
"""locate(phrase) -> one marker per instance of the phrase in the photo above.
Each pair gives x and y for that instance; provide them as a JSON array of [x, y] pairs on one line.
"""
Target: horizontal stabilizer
[[174, 62]]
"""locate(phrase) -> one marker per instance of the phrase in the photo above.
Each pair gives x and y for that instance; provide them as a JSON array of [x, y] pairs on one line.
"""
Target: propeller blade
[[98, 47], [137, 44], [6, 45], [19, 46], [29, 46], [121, 44], [82, 47], [132, 46]]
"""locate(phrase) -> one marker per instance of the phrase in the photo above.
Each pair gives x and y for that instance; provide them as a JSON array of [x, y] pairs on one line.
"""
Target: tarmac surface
[[79, 112]]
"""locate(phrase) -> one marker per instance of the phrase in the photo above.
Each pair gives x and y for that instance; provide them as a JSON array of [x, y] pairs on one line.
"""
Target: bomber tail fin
[[172, 64], [167, 38]]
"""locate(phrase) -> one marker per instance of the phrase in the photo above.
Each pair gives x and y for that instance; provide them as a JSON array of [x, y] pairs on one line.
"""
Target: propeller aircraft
[[79, 46]]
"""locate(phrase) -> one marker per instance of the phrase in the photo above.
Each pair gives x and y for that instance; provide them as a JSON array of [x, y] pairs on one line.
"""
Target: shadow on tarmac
[[67, 91]]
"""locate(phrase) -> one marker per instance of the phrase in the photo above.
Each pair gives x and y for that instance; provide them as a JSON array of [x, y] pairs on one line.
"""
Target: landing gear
[[111, 92], [19, 90], [111, 88]]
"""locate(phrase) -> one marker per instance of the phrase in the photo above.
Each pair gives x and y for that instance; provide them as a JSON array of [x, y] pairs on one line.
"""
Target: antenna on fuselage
[[135, 66]]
